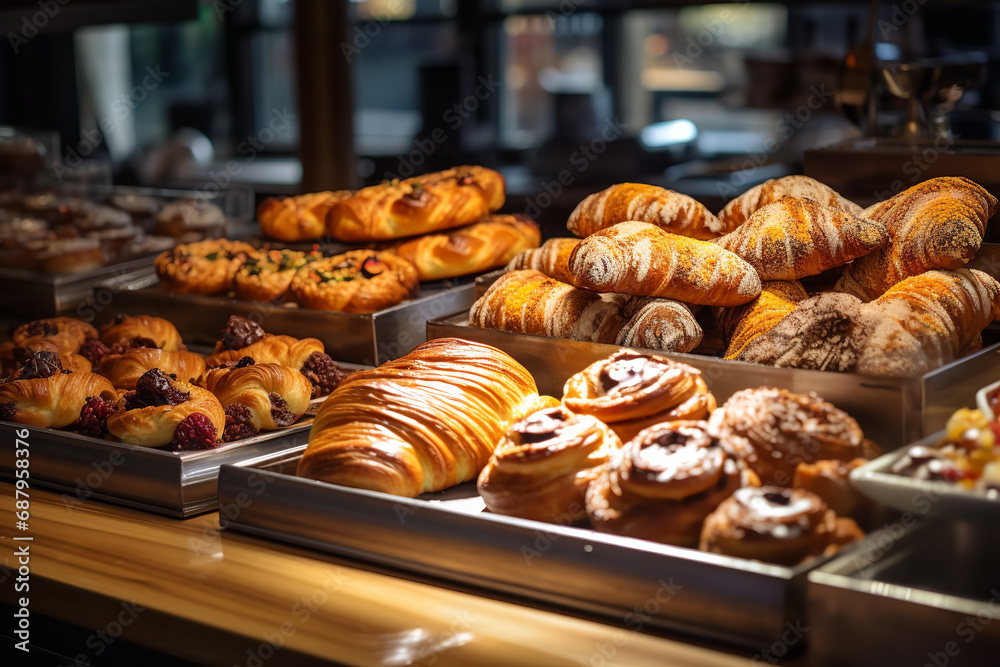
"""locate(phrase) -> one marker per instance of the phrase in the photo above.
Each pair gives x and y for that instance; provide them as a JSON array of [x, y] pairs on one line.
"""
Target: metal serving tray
[[368, 339], [926, 596], [641, 585], [892, 411], [175, 484]]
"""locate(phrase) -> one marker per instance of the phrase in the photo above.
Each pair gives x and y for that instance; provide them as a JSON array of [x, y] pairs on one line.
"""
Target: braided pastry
[[266, 276], [552, 259], [298, 218], [42, 393], [358, 281], [544, 463], [204, 267], [125, 329], [664, 482], [630, 391], [274, 395], [125, 369], [421, 423], [670, 211], [743, 207]]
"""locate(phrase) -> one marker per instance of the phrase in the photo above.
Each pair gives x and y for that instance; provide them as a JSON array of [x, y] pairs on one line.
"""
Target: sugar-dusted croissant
[[125, 369], [421, 423], [486, 244], [418, 205], [794, 238], [642, 259], [43, 394], [161, 411], [272, 396], [530, 302], [937, 224], [658, 324], [552, 259], [668, 210], [740, 209], [357, 281], [298, 218], [161, 332], [543, 465], [742, 324], [630, 391]]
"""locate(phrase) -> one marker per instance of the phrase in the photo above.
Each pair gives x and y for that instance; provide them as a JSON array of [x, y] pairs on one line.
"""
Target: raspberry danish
[[42, 393], [272, 396]]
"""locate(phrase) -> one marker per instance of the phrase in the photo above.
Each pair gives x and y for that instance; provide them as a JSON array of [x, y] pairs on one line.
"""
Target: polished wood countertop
[[214, 597]]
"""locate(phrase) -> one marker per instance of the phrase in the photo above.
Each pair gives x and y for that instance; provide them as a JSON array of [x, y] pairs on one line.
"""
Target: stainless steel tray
[[641, 585], [175, 484], [892, 411], [929, 596], [370, 339]]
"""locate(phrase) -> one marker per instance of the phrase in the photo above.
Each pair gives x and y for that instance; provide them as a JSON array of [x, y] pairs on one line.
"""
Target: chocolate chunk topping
[[279, 411], [240, 333], [40, 365], [323, 373], [42, 328], [154, 389], [541, 425], [244, 362], [779, 497], [239, 423]]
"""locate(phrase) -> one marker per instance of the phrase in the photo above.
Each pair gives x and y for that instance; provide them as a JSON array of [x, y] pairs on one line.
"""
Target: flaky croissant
[[552, 259], [157, 424], [125, 369], [65, 333], [298, 218], [742, 324], [670, 211], [276, 396], [740, 209], [664, 325], [421, 423], [127, 328], [51, 402], [271, 349]]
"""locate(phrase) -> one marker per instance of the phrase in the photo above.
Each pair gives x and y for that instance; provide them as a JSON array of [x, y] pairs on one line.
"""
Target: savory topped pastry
[[203, 267], [358, 281], [43, 393], [266, 275]]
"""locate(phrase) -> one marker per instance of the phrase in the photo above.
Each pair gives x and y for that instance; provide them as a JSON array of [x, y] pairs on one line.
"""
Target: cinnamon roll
[[787, 429], [125, 369], [776, 525], [664, 482], [152, 332], [630, 391], [544, 463], [43, 393], [258, 397]]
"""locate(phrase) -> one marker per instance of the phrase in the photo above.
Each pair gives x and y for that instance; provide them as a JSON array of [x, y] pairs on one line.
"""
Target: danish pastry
[[203, 267], [42, 393], [265, 397], [266, 276], [124, 329], [125, 369], [358, 281]]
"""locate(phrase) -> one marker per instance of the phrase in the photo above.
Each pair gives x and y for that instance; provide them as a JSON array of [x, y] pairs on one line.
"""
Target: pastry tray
[[892, 411], [368, 339], [923, 596], [641, 585]]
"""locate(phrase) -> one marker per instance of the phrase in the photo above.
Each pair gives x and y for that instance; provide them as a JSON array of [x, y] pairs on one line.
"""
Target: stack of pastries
[[636, 447], [793, 274], [134, 381]]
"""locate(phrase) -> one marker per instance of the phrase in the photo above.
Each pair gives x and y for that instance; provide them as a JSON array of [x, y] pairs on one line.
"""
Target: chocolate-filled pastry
[[203, 267], [787, 429], [42, 393], [275, 396], [776, 525], [630, 391], [665, 481], [544, 463], [298, 218], [267, 275], [161, 411], [65, 332], [125, 369], [125, 328], [357, 281]]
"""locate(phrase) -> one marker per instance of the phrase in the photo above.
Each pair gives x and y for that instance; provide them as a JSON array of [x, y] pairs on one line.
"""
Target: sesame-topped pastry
[[357, 281], [203, 267]]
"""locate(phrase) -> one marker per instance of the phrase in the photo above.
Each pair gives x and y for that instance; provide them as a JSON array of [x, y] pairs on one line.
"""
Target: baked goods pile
[[443, 223], [637, 447], [794, 275], [135, 382]]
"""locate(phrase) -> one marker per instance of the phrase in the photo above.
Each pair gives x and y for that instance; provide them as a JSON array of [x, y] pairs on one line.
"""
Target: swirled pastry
[[267, 275], [776, 525], [42, 393], [298, 218], [420, 423], [162, 333], [630, 391], [552, 259], [125, 369], [543, 464], [787, 429], [358, 281], [740, 209], [670, 211], [203, 267], [664, 325], [664, 482], [275, 396], [161, 411]]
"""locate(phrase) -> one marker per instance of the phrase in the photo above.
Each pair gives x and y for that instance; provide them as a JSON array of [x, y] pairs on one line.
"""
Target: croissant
[[794, 238], [419, 205], [64, 332], [298, 218], [53, 400], [275, 396], [357, 281], [552, 259], [659, 324], [664, 482], [937, 224], [284, 350], [668, 210], [421, 423], [742, 324], [630, 391], [12, 355], [529, 302], [488, 243], [641, 259], [161, 332], [740, 209], [125, 369], [544, 463]]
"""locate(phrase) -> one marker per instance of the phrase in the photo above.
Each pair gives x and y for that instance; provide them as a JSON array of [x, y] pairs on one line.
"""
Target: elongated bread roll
[[552, 259], [659, 324], [740, 209], [668, 210], [298, 218]]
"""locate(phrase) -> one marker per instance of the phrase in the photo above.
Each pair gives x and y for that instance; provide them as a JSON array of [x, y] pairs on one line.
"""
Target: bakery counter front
[[109, 585]]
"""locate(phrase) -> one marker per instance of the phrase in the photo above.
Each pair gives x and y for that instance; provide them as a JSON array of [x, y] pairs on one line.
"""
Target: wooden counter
[[152, 581]]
